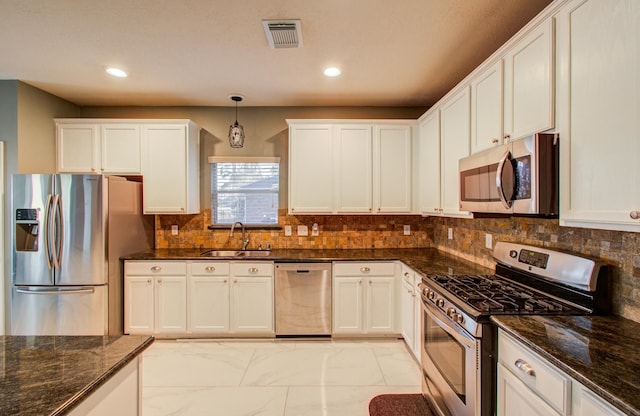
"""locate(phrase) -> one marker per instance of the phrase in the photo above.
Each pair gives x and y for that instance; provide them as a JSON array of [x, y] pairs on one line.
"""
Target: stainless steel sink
[[236, 253]]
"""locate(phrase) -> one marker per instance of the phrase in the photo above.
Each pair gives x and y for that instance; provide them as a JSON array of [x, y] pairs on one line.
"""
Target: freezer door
[[59, 311], [80, 225], [31, 197]]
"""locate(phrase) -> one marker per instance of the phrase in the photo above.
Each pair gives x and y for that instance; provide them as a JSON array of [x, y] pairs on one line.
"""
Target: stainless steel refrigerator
[[68, 234]]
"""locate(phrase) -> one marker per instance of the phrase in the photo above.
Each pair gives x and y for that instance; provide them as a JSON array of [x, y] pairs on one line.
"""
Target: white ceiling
[[197, 52]]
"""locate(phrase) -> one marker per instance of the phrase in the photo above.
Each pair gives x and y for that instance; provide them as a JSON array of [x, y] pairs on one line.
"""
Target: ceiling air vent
[[283, 33]]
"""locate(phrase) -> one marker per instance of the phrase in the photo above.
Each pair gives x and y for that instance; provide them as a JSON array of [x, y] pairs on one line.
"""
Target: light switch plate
[[450, 234], [406, 230], [174, 229], [287, 230], [303, 230], [488, 241]]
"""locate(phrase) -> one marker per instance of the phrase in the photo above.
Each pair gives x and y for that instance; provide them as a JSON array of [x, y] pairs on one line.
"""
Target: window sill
[[246, 227]]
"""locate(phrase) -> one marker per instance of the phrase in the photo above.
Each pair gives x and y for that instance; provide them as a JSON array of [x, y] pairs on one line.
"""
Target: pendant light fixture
[[236, 131]]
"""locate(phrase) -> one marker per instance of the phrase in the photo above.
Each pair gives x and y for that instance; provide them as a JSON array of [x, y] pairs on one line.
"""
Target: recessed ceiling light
[[116, 72], [332, 72]]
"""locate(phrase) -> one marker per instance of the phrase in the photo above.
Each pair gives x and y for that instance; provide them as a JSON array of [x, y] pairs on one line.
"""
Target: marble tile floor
[[273, 377]]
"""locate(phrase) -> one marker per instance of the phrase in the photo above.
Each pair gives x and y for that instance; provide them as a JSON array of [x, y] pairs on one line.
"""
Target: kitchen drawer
[[209, 268], [154, 268], [551, 385], [243, 268], [364, 269]]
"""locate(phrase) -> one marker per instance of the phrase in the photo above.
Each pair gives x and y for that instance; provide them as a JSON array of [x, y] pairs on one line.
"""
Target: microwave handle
[[505, 202]]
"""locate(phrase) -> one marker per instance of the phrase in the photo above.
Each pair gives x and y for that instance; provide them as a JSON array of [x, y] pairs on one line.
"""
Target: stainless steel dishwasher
[[303, 299]]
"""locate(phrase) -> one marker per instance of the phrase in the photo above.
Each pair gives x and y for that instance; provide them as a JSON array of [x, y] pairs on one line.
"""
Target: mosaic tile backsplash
[[619, 249]]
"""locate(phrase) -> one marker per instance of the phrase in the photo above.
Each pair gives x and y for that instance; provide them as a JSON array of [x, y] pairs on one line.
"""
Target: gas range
[[459, 342]]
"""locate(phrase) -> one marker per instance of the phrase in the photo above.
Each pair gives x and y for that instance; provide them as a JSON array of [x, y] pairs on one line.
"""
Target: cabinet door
[[165, 169], [138, 305], [589, 404], [208, 304], [252, 304], [310, 169], [407, 312], [529, 87], [121, 148], [515, 398], [77, 148], [171, 304], [353, 173], [392, 169], [380, 304], [599, 86], [347, 305], [454, 136], [429, 167], [486, 109]]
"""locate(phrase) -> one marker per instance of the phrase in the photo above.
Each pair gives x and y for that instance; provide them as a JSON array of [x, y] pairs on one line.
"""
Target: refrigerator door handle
[[48, 236], [58, 231], [56, 292]]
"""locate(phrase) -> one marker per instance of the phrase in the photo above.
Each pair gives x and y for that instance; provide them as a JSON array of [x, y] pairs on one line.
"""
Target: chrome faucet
[[245, 243]]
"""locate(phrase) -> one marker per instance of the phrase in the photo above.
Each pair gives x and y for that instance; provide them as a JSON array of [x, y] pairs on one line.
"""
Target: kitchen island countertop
[[600, 352], [51, 375]]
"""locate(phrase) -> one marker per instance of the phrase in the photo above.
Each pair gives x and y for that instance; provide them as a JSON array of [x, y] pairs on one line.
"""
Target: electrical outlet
[[488, 241], [315, 229], [287, 230], [174, 229], [303, 230], [406, 230], [450, 234]]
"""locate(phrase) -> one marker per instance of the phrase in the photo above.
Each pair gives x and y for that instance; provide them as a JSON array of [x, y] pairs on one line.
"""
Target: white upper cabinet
[[90, 146], [486, 108], [310, 168], [454, 145], [392, 169], [353, 168], [171, 168], [598, 108], [529, 86], [429, 163], [360, 167]]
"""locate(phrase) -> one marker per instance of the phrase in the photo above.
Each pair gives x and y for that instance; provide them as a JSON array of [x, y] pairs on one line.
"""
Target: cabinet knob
[[406, 274], [210, 269], [365, 269], [224, 281], [524, 366], [160, 281], [235, 281], [634, 215], [253, 270], [494, 141], [148, 280], [156, 269]]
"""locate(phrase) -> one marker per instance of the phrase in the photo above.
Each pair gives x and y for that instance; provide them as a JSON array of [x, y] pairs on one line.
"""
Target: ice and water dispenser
[[27, 226]]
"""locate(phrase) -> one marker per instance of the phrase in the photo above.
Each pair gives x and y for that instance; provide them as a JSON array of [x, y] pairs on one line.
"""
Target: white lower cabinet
[[529, 385], [209, 285], [155, 297], [199, 298], [252, 298], [364, 298], [410, 311]]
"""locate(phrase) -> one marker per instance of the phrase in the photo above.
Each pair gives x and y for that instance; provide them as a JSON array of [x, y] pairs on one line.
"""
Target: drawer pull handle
[[524, 366], [253, 270], [156, 268], [210, 269], [365, 269]]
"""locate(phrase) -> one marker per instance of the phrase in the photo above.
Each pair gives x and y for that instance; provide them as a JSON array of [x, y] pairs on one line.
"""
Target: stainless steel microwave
[[520, 177]]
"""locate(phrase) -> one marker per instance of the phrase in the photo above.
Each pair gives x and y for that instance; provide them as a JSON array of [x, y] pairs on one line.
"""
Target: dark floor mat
[[399, 405]]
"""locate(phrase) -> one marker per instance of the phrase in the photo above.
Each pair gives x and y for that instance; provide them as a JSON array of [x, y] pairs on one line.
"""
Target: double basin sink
[[236, 253]]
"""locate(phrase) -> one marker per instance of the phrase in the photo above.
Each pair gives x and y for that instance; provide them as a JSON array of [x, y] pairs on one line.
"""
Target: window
[[245, 190]]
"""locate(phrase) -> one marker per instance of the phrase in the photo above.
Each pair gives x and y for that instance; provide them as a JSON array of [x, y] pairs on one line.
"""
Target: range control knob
[[431, 295], [459, 318], [451, 313], [440, 302]]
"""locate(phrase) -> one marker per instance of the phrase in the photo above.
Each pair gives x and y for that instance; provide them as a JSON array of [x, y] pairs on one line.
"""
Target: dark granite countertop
[[51, 375], [601, 352], [423, 260]]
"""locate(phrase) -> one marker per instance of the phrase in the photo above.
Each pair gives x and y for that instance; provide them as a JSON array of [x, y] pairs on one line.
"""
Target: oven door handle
[[451, 328]]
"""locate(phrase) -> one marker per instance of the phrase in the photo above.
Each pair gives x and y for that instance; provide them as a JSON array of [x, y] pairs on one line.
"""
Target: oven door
[[450, 364]]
